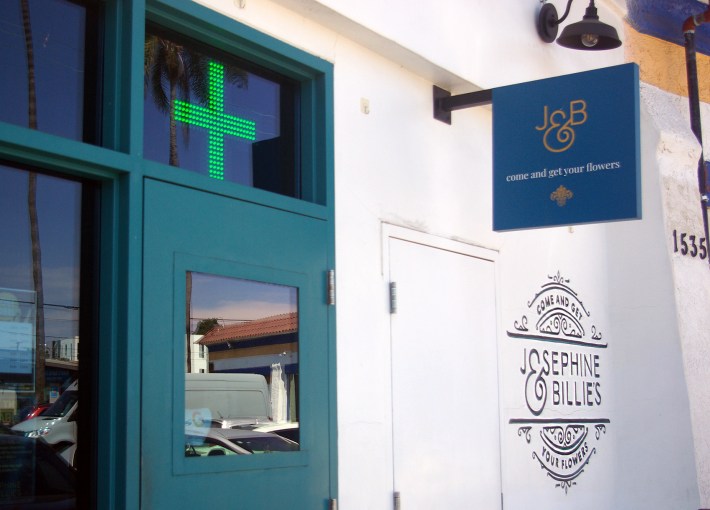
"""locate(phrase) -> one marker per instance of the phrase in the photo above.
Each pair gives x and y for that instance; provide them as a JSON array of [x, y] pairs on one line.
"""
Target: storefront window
[[45, 84], [241, 396], [40, 310], [219, 116]]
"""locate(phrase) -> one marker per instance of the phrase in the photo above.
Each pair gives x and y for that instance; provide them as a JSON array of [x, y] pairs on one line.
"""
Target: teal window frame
[[119, 168]]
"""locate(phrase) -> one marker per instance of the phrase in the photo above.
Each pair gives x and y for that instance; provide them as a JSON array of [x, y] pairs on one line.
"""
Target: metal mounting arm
[[445, 103]]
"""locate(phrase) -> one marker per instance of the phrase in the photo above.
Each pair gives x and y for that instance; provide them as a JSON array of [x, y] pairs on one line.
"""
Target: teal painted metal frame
[[119, 168]]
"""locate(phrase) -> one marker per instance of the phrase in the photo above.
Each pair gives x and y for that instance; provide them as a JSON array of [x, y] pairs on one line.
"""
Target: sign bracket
[[445, 103]]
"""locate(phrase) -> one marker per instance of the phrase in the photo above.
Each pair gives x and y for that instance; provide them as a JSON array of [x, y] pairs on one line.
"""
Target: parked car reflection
[[57, 424], [235, 442], [287, 430], [34, 476], [29, 412]]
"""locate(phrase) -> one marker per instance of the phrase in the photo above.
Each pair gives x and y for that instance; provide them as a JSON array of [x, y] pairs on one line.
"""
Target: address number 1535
[[690, 245]]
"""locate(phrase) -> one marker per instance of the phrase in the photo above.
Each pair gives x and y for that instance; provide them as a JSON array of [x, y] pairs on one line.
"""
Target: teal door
[[235, 345]]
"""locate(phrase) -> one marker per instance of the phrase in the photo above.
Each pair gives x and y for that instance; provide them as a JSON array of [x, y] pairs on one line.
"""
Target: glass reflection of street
[[241, 382]]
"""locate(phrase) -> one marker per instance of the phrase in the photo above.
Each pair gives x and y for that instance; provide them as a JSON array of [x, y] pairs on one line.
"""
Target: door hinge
[[331, 287], [397, 501], [332, 504], [393, 297]]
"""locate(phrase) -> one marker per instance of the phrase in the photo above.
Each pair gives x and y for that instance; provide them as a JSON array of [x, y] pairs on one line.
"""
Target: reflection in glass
[[218, 116], [39, 333], [42, 61], [241, 367]]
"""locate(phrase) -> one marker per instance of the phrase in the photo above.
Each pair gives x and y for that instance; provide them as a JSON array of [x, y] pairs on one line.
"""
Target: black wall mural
[[561, 357]]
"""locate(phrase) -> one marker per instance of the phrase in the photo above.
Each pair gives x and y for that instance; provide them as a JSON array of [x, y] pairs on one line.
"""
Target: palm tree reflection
[[32, 208], [174, 71]]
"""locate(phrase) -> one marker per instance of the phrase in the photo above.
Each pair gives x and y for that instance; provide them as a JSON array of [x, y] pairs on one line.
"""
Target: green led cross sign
[[212, 118]]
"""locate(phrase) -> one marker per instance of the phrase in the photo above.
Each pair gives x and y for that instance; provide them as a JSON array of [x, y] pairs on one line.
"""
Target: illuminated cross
[[212, 118]]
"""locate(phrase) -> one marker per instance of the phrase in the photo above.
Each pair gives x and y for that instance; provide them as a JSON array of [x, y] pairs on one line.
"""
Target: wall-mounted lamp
[[588, 34]]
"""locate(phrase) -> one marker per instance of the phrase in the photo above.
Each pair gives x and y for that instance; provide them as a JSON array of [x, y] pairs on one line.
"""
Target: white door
[[446, 443]]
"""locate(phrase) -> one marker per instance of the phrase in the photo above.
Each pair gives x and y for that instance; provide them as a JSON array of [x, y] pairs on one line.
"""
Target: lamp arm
[[564, 16]]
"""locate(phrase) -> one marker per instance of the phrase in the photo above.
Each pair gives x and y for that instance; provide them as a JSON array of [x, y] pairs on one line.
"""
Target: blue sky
[[233, 299], [58, 209]]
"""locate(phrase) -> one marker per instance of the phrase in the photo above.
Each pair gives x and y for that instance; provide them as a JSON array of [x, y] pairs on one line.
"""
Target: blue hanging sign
[[566, 150]]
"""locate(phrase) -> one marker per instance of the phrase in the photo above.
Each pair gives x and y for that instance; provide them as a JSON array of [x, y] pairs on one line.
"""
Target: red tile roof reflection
[[268, 326]]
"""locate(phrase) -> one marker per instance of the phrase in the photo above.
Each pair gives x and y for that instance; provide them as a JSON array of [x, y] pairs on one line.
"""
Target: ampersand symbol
[[560, 125], [535, 386]]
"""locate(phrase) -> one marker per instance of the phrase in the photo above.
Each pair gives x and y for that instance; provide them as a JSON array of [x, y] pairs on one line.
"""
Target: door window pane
[[241, 364], [218, 115], [40, 238], [44, 83]]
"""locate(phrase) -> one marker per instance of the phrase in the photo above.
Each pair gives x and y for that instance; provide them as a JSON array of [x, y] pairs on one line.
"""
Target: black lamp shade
[[606, 35], [590, 33]]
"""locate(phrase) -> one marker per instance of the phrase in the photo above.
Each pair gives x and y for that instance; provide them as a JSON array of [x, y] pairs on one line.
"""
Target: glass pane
[[42, 62], [241, 364], [218, 116], [39, 335]]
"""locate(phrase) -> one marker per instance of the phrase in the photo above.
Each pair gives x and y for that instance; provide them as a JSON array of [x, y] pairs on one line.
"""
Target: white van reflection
[[216, 404], [57, 424], [230, 400]]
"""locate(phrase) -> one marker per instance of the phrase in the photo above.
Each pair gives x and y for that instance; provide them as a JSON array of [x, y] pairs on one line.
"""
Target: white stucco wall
[[677, 155], [395, 164]]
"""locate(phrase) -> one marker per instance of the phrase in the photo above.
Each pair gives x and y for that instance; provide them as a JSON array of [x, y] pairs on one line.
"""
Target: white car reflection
[[288, 430], [235, 442]]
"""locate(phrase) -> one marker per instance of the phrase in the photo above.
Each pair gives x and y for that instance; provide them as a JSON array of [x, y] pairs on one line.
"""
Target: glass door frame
[[180, 236]]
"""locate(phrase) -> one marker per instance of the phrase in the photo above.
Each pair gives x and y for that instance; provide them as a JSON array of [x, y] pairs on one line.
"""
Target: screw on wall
[[365, 106]]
